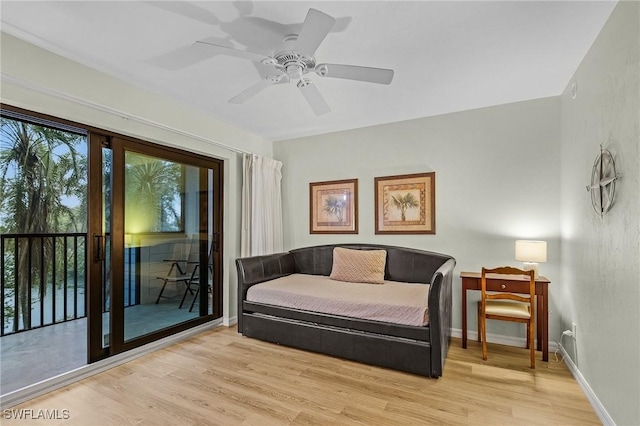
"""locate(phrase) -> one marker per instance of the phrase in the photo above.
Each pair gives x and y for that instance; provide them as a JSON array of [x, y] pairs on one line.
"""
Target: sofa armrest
[[257, 269], [440, 317]]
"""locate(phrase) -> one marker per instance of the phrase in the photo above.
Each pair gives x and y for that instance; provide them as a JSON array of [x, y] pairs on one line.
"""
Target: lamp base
[[531, 266]]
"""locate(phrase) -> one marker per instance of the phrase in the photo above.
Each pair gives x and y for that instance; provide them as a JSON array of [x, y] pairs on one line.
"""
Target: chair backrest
[[180, 253], [193, 256], [508, 270], [193, 264]]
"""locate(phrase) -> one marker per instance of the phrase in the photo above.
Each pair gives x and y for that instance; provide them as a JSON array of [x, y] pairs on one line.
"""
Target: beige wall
[[37, 80], [497, 172], [600, 289]]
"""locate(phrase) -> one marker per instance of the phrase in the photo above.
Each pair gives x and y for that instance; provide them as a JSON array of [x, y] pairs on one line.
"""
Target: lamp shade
[[531, 251]]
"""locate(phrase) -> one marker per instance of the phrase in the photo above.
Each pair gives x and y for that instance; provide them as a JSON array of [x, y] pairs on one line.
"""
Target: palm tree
[[402, 203], [153, 187], [335, 206], [38, 166]]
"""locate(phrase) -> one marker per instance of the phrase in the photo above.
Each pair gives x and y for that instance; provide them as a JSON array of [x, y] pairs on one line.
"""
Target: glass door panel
[[163, 243], [106, 232], [155, 240]]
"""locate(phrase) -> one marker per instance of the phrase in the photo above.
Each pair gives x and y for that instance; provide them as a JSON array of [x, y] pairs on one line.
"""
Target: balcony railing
[[43, 280]]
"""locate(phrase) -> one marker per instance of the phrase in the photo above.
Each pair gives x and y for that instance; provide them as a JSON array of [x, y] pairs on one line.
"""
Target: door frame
[[95, 264], [118, 145], [97, 139]]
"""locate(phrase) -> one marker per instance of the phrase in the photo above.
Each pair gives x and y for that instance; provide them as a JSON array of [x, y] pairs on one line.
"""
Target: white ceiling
[[447, 56]]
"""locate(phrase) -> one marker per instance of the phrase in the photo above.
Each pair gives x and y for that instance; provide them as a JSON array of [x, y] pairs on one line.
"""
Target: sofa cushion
[[358, 266], [391, 302]]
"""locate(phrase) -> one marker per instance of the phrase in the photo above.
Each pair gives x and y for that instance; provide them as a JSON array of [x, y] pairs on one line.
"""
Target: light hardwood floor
[[220, 377], [39, 354]]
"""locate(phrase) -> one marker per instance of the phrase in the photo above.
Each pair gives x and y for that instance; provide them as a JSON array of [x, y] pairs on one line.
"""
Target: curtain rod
[[127, 116]]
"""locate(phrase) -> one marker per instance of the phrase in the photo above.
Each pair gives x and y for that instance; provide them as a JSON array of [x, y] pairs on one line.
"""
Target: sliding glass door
[[156, 244], [101, 236]]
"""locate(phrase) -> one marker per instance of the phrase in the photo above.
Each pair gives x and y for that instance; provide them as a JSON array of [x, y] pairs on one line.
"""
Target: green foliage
[[153, 188], [42, 174], [39, 168]]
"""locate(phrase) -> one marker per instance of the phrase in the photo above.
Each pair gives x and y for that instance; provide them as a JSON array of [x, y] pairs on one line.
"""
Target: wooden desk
[[512, 284]]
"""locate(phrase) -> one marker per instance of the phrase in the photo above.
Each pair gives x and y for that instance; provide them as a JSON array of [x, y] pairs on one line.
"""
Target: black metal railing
[[43, 280], [131, 276]]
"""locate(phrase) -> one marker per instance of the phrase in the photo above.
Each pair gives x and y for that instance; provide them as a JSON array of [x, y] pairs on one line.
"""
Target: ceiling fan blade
[[187, 10], [313, 97], [252, 56], [182, 57], [250, 92], [315, 28], [353, 72]]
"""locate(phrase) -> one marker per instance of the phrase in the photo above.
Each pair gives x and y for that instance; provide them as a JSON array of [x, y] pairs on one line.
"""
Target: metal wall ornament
[[603, 182]]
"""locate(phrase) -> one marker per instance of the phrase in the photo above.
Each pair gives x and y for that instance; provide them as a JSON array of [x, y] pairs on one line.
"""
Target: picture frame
[[333, 207], [405, 204]]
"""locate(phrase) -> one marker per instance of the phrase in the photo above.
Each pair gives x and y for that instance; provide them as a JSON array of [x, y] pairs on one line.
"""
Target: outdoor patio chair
[[182, 269], [195, 281]]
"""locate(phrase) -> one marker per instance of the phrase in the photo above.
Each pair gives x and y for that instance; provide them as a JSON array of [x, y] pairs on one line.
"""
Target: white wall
[[37, 80], [497, 172], [601, 256]]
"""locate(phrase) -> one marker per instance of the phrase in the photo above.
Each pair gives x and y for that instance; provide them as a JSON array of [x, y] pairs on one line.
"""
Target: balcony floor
[[35, 355]]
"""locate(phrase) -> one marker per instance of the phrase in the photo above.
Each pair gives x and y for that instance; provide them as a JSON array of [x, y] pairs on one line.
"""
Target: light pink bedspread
[[395, 302]]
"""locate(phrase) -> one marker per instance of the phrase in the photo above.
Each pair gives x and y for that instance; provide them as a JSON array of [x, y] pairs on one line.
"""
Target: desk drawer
[[508, 286]]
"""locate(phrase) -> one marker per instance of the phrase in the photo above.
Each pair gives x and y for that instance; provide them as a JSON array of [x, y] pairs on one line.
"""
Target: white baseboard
[[22, 395], [499, 339], [601, 412], [228, 322]]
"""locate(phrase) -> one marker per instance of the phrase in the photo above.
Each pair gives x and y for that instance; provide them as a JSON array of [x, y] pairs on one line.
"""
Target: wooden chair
[[507, 307]]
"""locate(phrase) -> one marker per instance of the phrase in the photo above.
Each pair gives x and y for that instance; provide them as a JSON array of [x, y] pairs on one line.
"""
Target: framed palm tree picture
[[333, 207], [406, 204]]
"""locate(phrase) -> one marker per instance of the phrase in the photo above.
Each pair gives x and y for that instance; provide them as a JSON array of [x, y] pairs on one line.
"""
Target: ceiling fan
[[295, 59]]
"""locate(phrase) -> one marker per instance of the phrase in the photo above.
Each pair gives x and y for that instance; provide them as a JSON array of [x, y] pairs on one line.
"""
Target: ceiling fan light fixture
[[294, 71], [296, 57]]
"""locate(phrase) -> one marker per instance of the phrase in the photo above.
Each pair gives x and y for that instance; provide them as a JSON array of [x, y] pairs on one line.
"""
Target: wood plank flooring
[[35, 355], [222, 378]]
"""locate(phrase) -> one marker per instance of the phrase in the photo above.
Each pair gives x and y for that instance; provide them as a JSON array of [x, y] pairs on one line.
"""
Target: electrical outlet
[[573, 329]]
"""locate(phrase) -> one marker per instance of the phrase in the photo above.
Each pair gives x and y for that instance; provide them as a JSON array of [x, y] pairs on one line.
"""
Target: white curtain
[[261, 206]]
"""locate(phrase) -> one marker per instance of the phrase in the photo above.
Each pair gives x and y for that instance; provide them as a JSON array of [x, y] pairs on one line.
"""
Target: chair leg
[[184, 296], [161, 291], [193, 302], [195, 298], [532, 349], [483, 329], [479, 329], [528, 337]]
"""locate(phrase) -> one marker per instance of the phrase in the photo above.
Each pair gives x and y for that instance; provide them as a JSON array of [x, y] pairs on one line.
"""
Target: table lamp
[[531, 252]]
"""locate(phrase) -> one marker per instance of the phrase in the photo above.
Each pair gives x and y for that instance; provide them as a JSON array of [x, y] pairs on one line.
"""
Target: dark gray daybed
[[416, 349]]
